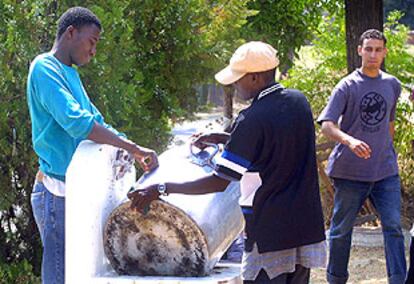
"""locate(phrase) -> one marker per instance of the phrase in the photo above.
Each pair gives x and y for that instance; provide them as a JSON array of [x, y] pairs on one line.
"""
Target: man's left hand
[[141, 198]]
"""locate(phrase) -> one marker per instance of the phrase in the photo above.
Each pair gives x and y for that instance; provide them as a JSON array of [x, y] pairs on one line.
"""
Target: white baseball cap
[[251, 57]]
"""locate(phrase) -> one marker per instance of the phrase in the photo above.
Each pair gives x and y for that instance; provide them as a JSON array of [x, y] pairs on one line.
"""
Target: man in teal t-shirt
[[62, 116]]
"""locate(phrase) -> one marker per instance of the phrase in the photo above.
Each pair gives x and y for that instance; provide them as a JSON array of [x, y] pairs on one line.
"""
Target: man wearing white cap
[[271, 149]]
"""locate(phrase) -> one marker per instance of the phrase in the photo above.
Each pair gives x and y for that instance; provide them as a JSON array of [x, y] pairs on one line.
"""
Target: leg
[[386, 197], [52, 231], [348, 200], [38, 206], [301, 275], [262, 278]]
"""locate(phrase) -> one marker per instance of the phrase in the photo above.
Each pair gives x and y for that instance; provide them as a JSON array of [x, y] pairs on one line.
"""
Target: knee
[[393, 227], [392, 222], [340, 232]]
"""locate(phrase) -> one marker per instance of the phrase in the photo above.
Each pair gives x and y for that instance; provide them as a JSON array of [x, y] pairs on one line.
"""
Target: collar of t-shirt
[[268, 90]]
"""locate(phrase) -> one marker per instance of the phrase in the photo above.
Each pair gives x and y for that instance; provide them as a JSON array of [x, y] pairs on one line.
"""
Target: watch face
[[162, 188]]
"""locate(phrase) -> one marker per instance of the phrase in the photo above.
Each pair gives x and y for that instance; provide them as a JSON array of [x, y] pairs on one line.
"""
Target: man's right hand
[[146, 158], [359, 148]]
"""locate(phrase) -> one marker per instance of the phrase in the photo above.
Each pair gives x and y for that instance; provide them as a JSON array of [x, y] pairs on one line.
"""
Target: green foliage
[[400, 62], [225, 15], [407, 6], [18, 273], [328, 54], [21, 36], [287, 25], [152, 56]]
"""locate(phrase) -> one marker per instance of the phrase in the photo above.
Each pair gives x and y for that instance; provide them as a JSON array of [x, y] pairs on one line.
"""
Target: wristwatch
[[162, 189]]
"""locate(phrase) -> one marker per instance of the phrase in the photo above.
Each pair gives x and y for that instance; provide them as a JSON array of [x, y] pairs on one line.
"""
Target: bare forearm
[[221, 137], [102, 135], [140, 198], [202, 140], [330, 130], [358, 147], [208, 184]]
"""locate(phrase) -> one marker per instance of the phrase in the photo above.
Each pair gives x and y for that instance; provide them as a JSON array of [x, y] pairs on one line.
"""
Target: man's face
[[245, 87], [84, 41], [372, 53]]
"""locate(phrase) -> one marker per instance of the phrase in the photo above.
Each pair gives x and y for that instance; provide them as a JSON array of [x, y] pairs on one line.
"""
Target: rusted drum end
[[165, 241]]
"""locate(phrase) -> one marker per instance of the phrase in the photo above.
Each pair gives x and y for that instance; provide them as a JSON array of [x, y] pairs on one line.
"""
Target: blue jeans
[[349, 198], [49, 213]]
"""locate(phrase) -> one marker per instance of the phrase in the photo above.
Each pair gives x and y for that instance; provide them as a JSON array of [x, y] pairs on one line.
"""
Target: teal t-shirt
[[61, 112]]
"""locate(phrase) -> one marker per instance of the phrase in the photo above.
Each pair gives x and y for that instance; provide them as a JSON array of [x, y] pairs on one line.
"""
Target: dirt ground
[[366, 266]]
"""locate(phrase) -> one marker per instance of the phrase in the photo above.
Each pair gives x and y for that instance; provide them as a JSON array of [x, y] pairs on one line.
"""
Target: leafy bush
[[18, 273], [287, 25], [327, 54], [400, 63]]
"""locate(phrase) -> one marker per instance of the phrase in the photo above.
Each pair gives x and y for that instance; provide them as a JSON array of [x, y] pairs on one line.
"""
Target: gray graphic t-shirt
[[363, 107]]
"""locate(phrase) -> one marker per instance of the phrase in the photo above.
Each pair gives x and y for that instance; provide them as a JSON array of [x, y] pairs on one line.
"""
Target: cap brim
[[228, 76]]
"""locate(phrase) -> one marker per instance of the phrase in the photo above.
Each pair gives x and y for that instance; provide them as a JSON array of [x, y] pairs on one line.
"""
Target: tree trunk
[[360, 16]]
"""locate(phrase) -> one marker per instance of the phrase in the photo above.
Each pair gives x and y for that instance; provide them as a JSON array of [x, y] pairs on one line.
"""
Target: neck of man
[[263, 87], [370, 72], [61, 53]]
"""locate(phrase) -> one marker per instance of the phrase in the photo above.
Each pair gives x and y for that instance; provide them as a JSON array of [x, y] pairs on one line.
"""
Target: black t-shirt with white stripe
[[273, 141]]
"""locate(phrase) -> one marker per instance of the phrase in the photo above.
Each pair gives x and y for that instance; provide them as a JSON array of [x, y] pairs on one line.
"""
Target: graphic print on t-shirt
[[373, 109]]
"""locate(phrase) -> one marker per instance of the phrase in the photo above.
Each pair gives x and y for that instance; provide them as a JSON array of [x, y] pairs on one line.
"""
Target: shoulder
[[349, 80], [393, 82], [295, 96], [284, 100], [293, 92], [390, 78], [345, 86], [42, 63]]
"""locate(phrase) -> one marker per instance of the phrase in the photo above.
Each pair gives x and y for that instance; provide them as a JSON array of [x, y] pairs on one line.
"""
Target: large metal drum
[[180, 235]]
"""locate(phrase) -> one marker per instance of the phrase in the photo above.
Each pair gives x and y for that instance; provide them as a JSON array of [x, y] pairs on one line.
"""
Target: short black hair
[[372, 34], [77, 17]]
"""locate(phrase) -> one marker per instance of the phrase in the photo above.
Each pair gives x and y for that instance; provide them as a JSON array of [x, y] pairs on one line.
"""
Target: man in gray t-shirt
[[360, 118]]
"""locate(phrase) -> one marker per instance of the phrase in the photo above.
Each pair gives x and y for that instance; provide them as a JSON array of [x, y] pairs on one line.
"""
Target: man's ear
[[359, 50], [254, 77], [69, 32]]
